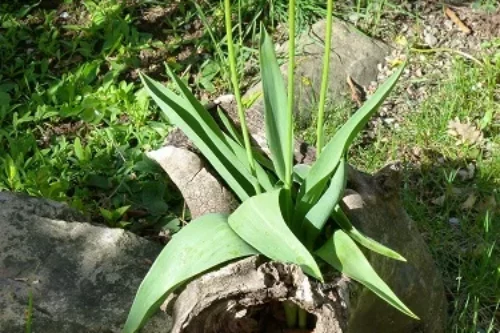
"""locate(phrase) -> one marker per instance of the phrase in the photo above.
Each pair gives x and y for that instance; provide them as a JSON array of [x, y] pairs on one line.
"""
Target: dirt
[[431, 33], [484, 25], [68, 129]]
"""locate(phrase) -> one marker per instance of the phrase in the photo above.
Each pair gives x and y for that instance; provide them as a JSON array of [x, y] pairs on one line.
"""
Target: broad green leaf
[[300, 172], [317, 179], [119, 212], [79, 151], [342, 253], [236, 136], [317, 215], [275, 108], [228, 125], [203, 244], [199, 126], [343, 221], [263, 177], [107, 214], [260, 223]]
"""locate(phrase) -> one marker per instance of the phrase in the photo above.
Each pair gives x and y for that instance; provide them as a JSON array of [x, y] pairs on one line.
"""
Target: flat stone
[[83, 277]]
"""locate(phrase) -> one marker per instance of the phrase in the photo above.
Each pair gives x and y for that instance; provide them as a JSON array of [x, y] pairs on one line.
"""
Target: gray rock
[[353, 54], [83, 277]]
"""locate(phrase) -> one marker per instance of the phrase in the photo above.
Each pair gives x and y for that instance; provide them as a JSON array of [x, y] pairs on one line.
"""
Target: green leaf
[[260, 223], [233, 133], [230, 128], [317, 215], [343, 221], [300, 172], [119, 212], [317, 179], [79, 151], [199, 126], [203, 244], [98, 181], [275, 108], [235, 141], [4, 99], [263, 177], [107, 214], [342, 253]]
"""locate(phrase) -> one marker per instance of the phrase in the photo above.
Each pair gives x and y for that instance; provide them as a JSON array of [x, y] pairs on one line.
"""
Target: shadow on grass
[[454, 203]]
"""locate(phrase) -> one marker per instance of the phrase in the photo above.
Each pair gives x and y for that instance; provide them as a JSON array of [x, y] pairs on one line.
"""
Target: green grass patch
[[74, 120], [450, 189]]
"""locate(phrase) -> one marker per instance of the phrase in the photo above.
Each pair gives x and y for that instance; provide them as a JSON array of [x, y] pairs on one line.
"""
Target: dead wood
[[241, 297]]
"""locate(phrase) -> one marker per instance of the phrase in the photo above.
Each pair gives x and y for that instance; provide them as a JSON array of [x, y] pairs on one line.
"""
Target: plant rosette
[[287, 213]]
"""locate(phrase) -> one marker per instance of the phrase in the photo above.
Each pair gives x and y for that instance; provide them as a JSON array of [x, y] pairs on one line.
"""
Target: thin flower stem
[[324, 78], [291, 86], [237, 94], [302, 318], [290, 313]]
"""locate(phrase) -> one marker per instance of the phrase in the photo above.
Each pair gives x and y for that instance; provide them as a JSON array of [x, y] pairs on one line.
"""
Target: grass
[[458, 217], [75, 123]]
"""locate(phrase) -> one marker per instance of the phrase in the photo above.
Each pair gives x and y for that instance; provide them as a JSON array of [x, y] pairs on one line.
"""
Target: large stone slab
[[83, 277], [353, 55]]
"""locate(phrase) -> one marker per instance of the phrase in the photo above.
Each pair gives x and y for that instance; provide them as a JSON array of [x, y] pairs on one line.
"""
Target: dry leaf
[[457, 190], [357, 95], [469, 203], [21, 279], [466, 133], [453, 16], [489, 203], [439, 201]]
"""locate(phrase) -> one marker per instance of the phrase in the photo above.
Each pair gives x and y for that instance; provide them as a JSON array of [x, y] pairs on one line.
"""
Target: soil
[[431, 32]]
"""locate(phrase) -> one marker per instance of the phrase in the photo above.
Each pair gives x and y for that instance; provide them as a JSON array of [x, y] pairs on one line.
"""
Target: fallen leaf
[[466, 133], [21, 279], [488, 203], [469, 203], [357, 94], [401, 40], [454, 17], [439, 201]]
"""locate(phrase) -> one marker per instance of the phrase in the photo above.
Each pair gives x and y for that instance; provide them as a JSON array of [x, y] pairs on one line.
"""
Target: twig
[[441, 49], [453, 16]]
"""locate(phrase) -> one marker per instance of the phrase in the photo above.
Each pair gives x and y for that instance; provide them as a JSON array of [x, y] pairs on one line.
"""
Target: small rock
[[467, 174], [64, 15], [448, 25], [354, 17], [454, 221], [430, 39], [389, 121]]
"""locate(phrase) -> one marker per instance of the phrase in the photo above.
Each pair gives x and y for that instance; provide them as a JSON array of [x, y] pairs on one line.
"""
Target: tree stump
[[243, 296]]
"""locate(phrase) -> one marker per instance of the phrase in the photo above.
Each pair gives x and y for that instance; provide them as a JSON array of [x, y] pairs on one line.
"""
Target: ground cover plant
[[66, 71]]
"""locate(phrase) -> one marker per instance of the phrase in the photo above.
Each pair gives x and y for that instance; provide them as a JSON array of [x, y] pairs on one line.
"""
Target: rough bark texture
[[373, 205], [242, 298], [202, 191]]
